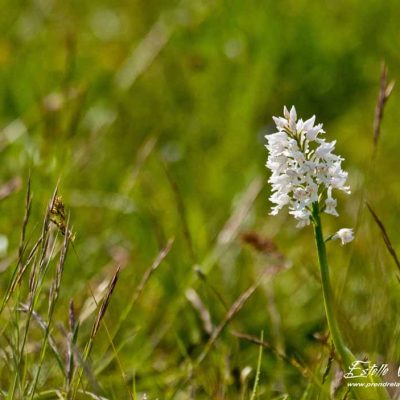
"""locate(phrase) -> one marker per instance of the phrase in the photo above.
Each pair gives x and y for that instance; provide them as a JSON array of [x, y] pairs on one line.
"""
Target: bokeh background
[[151, 115]]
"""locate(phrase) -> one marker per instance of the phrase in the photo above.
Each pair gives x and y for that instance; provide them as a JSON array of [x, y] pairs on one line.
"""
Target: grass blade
[[257, 379]]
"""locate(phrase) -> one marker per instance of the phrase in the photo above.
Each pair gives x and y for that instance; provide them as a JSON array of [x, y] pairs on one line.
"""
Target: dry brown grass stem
[[385, 236], [266, 345], [385, 91], [55, 287], [10, 187], [196, 302], [21, 266], [104, 304], [234, 309], [180, 205], [45, 328], [70, 364], [95, 328]]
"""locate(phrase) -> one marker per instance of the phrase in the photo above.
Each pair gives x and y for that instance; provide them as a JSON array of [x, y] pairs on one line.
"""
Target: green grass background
[[210, 74]]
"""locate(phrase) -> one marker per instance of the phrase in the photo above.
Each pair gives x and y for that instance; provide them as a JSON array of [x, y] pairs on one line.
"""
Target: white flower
[[330, 203], [304, 168], [346, 235]]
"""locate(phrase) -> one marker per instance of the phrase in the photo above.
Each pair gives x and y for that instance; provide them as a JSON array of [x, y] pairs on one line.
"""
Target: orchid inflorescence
[[304, 168]]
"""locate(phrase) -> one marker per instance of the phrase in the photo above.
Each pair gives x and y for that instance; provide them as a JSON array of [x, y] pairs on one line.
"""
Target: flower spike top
[[304, 169]]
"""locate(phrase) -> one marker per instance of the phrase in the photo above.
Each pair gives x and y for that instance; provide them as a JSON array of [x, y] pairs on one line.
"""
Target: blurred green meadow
[[150, 117]]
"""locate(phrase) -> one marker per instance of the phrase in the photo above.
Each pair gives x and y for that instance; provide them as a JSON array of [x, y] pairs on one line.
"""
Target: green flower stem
[[346, 355], [361, 393]]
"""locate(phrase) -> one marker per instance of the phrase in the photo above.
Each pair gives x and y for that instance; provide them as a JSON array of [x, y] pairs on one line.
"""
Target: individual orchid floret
[[345, 235], [304, 168]]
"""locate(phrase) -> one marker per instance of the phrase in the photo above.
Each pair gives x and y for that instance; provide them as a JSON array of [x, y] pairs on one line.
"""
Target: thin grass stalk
[[214, 291], [115, 351], [53, 297], [37, 273], [385, 90], [20, 267], [235, 308], [10, 187], [39, 267], [143, 282], [386, 238], [180, 205], [102, 311], [96, 326], [14, 365], [110, 338], [71, 336], [258, 370], [34, 293], [292, 360], [78, 359], [28, 207], [52, 343]]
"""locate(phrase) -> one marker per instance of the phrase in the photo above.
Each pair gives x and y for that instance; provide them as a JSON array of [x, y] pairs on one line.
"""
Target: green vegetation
[[154, 269]]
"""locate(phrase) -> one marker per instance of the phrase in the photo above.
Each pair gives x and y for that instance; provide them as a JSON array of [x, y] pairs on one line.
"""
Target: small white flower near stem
[[345, 235]]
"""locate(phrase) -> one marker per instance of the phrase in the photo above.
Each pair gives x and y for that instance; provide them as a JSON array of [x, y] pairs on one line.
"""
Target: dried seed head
[[58, 217], [71, 316], [104, 304]]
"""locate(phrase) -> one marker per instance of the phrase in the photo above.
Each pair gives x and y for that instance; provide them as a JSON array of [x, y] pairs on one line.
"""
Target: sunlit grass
[[150, 118]]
